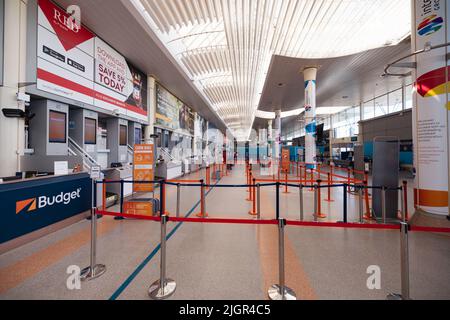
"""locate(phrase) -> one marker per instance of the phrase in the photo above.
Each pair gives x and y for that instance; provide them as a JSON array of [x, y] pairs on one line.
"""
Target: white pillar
[[151, 98], [310, 115], [430, 26], [14, 72], [277, 134]]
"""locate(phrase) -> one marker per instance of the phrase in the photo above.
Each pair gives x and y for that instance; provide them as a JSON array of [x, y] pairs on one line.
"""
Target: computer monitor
[[90, 131]]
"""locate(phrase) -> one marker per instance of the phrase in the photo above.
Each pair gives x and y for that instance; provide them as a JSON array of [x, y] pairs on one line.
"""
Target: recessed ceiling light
[[280, 85], [344, 97]]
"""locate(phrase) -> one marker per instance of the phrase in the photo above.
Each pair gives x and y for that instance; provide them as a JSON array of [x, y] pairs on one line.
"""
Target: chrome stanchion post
[[360, 204], [258, 201], [404, 265], [280, 291], [178, 199], [383, 204], [94, 270], [402, 205], [301, 202], [164, 287]]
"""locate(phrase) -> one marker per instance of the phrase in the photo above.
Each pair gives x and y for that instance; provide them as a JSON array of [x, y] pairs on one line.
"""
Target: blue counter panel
[[27, 206]]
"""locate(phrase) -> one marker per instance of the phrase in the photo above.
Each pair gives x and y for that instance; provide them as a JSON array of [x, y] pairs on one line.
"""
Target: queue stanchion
[[404, 265], [178, 199], [258, 203], [319, 200], [348, 179], [121, 200], [94, 270], [286, 181], [301, 201], [164, 287], [280, 291], [405, 199], [315, 203], [202, 213], [366, 199], [360, 205], [249, 179], [253, 210], [383, 204], [277, 200], [329, 188], [344, 203]]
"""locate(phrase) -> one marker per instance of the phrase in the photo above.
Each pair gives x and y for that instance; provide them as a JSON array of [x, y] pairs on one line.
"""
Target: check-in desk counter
[[170, 170], [116, 174], [34, 207]]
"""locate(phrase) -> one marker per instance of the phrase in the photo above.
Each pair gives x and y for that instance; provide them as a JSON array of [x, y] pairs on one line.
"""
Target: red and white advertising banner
[[75, 64], [431, 105]]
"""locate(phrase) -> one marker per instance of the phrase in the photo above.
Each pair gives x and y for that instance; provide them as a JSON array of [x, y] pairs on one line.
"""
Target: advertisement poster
[[172, 113], [75, 64], [143, 169], [431, 106]]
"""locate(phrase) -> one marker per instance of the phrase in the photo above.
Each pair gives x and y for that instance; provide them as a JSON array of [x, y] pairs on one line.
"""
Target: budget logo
[[430, 25], [26, 205], [47, 201]]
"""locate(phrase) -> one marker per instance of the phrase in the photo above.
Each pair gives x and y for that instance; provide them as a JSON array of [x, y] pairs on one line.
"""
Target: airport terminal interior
[[224, 150]]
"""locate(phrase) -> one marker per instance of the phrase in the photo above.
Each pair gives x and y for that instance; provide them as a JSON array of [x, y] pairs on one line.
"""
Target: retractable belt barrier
[[164, 287]]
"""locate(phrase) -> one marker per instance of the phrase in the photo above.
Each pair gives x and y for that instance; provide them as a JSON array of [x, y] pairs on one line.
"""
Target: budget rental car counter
[[31, 208]]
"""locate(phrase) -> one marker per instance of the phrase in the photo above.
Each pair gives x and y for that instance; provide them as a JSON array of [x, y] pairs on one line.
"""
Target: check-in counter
[[31, 205]]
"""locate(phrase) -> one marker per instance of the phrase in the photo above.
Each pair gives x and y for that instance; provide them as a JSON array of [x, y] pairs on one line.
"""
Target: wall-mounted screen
[[57, 127], [137, 135], [123, 135], [90, 131]]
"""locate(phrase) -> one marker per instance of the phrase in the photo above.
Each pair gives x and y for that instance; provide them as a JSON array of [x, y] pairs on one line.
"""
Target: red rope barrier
[[344, 225]]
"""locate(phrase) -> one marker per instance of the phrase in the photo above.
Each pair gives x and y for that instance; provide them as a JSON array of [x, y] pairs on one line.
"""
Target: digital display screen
[[57, 127], [90, 131], [123, 135]]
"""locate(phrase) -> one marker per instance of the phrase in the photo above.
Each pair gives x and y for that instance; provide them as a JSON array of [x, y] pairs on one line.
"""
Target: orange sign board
[[138, 208], [143, 169], [285, 160]]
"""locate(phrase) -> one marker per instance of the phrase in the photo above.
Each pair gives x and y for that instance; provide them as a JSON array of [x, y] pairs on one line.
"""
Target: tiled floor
[[219, 261]]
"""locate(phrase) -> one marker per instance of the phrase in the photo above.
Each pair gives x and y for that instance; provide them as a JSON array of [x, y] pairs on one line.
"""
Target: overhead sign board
[[74, 63]]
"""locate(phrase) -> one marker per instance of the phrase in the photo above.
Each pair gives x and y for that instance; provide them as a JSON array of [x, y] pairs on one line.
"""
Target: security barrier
[[164, 287]]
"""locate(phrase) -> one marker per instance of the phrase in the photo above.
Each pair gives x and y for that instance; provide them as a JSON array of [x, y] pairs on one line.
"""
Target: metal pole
[[178, 199], [301, 202], [162, 288], [280, 291], [383, 204], [404, 265], [402, 205], [277, 198], [258, 196], [203, 200], [345, 202], [94, 270], [162, 204], [316, 193], [360, 204]]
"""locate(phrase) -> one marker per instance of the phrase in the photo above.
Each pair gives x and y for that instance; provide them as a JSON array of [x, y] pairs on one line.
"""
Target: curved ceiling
[[225, 46]]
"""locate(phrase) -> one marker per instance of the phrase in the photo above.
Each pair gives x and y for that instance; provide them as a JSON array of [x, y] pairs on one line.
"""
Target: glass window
[[381, 106], [409, 96], [395, 101], [368, 110]]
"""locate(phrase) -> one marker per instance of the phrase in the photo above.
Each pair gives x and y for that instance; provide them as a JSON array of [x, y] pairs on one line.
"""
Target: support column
[[310, 116], [12, 130], [431, 105], [269, 138], [151, 98], [277, 155]]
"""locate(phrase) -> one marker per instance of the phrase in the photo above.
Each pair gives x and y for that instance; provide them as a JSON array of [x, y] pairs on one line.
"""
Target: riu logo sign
[[33, 204]]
